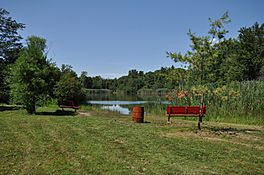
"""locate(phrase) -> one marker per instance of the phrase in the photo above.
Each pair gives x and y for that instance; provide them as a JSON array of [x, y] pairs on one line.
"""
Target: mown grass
[[101, 142]]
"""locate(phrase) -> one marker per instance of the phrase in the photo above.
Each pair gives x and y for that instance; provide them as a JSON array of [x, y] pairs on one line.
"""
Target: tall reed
[[239, 102]]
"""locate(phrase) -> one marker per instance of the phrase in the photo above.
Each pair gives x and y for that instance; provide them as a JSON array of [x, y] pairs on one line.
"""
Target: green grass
[[106, 143]]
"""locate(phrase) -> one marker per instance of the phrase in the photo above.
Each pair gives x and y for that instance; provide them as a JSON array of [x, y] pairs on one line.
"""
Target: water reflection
[[117, 102], [116, 105], [117, 108]]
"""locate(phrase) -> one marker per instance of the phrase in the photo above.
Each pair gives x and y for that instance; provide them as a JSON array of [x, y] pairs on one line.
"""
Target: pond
[[123, 105]]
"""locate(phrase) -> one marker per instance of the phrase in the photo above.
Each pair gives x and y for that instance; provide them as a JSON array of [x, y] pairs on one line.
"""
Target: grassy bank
[[99, 142]]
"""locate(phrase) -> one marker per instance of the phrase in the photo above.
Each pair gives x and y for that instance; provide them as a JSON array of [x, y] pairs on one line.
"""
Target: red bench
[[68, 104], [186, 111]]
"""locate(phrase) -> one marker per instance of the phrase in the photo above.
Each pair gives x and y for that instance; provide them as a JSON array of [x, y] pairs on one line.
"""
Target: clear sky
[[111, 37]]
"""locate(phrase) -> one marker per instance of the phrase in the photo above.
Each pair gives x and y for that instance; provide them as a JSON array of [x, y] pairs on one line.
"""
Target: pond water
[[117, 108], [122, 107], [124, 104]]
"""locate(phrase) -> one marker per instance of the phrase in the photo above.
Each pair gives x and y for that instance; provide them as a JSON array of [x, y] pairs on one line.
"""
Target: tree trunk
[[31, 106]]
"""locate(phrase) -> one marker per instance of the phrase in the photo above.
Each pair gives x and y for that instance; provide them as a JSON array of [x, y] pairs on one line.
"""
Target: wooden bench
[[68, 104], [186, 111]]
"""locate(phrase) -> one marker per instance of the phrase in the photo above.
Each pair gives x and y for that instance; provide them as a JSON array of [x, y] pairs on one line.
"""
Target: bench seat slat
[[184, 110], [184, 115]]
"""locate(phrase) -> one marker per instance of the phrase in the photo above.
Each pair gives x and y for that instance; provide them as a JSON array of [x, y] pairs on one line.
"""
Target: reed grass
[[237, 102]]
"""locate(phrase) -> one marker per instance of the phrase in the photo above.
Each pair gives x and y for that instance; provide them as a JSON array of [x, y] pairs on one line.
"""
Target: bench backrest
[[185, 110]]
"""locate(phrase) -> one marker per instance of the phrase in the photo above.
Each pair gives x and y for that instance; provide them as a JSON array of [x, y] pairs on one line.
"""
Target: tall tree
[[243, 58], [10, 47], [32, 75], [228, 56], [251, 42], [9, 37]]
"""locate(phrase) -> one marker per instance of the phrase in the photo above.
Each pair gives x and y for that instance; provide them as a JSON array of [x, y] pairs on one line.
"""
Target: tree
[[10, 47], [132, 82], [69, 87], [9, 37], [243, 58], [203, 57], [228, 56], [32, 75], [85, 80], [97, 82], [251, 42]]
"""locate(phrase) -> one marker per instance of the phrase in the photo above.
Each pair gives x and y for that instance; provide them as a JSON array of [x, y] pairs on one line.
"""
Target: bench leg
[[169, 121], [200, 120]]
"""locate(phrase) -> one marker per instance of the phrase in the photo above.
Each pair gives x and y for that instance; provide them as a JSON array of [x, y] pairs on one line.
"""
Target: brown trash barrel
[[138, 114]]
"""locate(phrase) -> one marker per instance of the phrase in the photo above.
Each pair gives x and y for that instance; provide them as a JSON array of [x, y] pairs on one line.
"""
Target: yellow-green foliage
[[200, 90]]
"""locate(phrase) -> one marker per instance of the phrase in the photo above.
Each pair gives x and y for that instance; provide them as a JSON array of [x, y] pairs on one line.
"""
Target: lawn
[[99, 142]]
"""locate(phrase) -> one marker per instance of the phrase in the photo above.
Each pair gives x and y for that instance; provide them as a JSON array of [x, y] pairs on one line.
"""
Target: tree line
[[166, 77], [28, 77]]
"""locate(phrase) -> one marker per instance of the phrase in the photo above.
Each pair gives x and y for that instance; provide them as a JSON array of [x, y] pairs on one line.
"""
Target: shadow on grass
[[58, 113], [9, 108], [230, 129]]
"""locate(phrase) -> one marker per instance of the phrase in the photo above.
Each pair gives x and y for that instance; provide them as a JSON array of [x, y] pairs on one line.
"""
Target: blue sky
[[111, 37]]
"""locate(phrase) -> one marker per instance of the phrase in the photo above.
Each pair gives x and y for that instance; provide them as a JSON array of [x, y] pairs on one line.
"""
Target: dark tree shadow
[[58, 113], [9, 108]]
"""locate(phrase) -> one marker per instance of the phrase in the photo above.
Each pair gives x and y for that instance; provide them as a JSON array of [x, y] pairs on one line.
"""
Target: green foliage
[[242, 58], [251, 51], [97, 82], [69, 87], [217, 26], [136, 80], [10, 47], [131, 83], [85, 80], [32, 75], [97, 91], [9, 40]]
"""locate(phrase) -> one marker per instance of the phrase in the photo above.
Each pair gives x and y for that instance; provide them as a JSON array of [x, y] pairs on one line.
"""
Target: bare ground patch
[[84, 113]]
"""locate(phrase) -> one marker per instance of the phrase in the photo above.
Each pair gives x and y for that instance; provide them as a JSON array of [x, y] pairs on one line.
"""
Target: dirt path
[[84, 113]]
